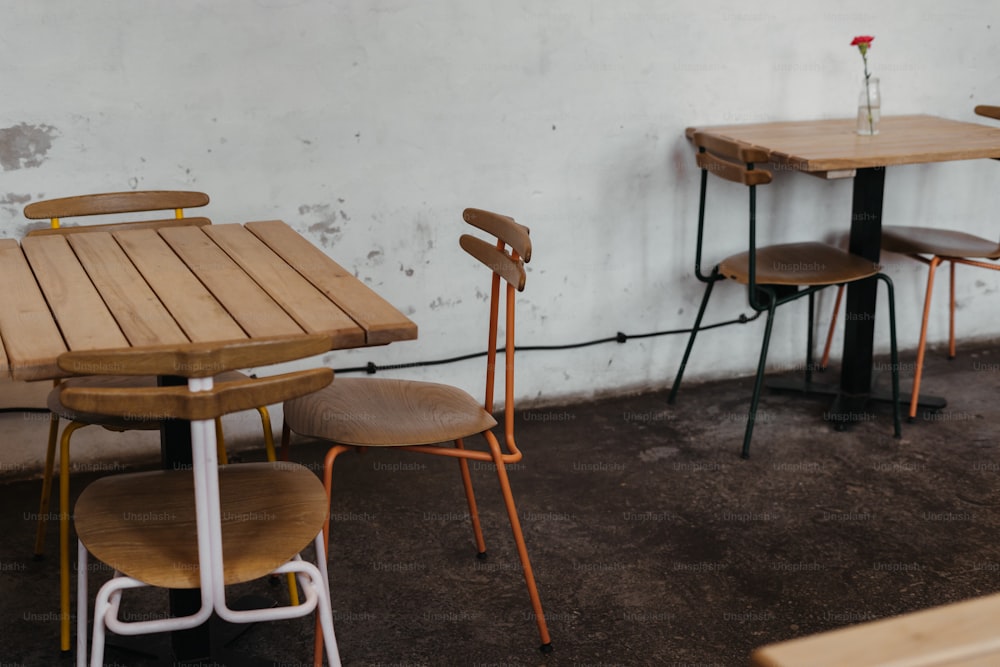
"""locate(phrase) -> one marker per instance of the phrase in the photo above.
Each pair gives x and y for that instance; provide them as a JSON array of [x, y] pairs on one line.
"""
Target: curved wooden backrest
[[112, 203], [194, 360], [178, 402], [988, 111], [502, 264], [730, 159], [109, 203], [504, 228]]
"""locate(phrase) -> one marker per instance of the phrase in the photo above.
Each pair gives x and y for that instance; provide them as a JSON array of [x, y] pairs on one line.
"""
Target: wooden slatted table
[[142, 287], [136, 288], [964, 634], [832, 149]]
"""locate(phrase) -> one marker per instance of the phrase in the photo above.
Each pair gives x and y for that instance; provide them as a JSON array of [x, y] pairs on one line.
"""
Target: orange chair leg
[[470, 496], [64, 515], [833, 327], [522, 549], [951, 314], [46, 499], [921, 345]]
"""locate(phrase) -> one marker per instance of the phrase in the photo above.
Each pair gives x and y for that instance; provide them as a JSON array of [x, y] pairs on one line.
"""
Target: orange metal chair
[[105, 204], [932, 247], [414, 416]]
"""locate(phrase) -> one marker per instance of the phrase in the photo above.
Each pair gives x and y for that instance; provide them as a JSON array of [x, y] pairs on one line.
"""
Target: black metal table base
[[847, 410]]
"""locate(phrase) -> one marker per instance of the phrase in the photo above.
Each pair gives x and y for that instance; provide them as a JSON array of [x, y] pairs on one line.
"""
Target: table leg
[[859, 325], [175, 450]]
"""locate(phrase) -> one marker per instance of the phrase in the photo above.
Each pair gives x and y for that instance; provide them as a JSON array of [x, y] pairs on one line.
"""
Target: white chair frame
[[314, 580]]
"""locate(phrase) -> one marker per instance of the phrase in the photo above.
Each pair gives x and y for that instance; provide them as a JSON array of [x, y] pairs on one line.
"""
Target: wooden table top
[[833, 148], [963, 634], [142, 287]]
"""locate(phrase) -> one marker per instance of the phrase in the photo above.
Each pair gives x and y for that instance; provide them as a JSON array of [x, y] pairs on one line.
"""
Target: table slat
[[31, 339], [79, 310], [307, 305], [134, 305], [382, 322], [833, 144], [962, 634], [196, 311], [245, 300]]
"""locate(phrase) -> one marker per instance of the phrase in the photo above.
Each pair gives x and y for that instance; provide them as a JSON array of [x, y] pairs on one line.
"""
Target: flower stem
[[868, 95]]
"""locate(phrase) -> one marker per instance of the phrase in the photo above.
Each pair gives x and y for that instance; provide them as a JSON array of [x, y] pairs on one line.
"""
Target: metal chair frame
[[764, 298]]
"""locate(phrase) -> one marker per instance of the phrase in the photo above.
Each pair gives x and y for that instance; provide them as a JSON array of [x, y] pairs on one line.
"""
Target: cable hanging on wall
[[371, 368]]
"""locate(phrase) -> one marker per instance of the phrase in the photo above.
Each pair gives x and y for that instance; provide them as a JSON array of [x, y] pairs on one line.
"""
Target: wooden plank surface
[[382, 322], [31, 338], [964, 634], [303, 302], [132, 302], [79, 310], [244, 299], [137, 287], [200, 316], [833, 145]]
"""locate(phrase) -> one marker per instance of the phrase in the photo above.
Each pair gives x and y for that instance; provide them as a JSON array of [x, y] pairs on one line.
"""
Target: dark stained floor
[[653, 543]]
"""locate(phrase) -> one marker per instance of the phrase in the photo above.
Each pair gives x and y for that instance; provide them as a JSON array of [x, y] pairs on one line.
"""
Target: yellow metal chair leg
[[265, 422], [46, 499], [220, 444]]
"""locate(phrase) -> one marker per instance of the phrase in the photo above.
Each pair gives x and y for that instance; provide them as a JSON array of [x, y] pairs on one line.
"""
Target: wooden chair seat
[[798, 264], [270, 512], [380, 413], [55, 404], [940, 242]]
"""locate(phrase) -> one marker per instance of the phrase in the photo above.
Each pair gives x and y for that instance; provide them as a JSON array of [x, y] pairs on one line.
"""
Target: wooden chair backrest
[[195, 360], [117, 203], [731, 160], [988, 111], [506, 259], [509, 265]]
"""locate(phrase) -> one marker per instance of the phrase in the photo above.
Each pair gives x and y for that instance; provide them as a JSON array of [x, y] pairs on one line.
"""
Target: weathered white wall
[[369, 124]]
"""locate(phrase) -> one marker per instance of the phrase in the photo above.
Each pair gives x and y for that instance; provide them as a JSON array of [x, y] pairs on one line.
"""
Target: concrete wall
[[369, 124]]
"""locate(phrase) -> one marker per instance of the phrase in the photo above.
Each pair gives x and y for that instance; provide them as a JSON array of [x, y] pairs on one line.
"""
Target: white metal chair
[[210, 526]]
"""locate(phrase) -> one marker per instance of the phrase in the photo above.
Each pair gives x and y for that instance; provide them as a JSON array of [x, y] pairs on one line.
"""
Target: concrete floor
[[653, 542]]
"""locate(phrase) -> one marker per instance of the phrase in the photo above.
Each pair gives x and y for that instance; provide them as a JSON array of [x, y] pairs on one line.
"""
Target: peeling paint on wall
[[329, 225], [12, 203], [23, 146]]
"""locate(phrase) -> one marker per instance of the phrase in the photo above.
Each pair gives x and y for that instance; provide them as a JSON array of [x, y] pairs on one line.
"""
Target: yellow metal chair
[[415, 416], [105, 204], [933, 247]]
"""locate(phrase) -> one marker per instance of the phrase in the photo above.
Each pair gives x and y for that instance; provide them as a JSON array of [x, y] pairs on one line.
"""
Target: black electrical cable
[[371, 368]]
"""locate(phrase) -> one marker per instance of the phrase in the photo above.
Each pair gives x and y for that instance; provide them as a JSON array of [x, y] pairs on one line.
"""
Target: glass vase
[[869, 107]]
